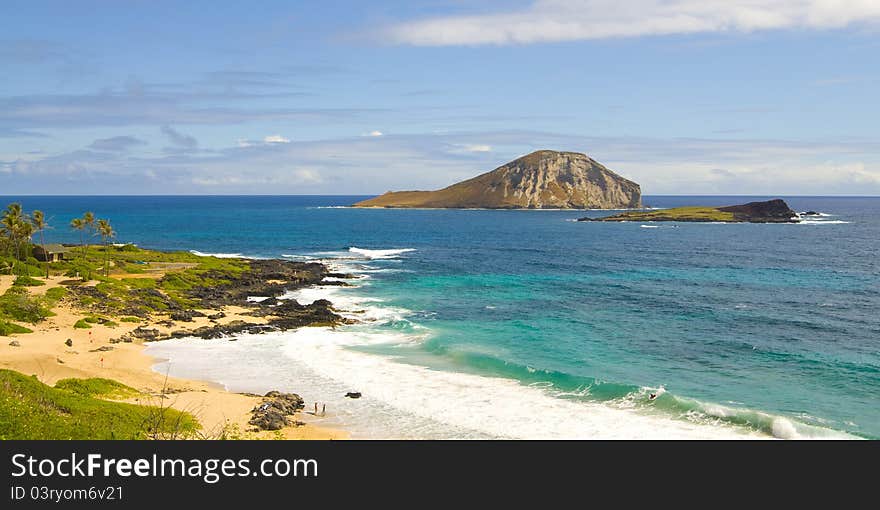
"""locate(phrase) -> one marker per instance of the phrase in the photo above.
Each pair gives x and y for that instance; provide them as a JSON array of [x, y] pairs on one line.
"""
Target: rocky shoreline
[[265, 279]]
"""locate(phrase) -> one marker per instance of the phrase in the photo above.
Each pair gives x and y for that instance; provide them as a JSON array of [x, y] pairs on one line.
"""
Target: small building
[[52, 253]]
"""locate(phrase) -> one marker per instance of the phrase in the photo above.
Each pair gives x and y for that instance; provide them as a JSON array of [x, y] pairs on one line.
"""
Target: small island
[[544, 179], [770, 211]]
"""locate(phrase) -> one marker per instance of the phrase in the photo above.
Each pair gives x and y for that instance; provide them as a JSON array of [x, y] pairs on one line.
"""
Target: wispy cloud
[[31, 51], [139, 103], [571, 20], [478, 148], [276, 139], [116, 143], [179, 139]]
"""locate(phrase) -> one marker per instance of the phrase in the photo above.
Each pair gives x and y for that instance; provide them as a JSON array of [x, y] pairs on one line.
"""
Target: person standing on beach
[[323, 409]]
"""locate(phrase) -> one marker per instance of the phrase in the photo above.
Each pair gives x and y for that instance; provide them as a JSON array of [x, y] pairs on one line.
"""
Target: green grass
[[139, 283], [30, 409], [130, 319], [56, 294], [678, 213], [10, 328], [16, 304], [82, 324], [27, 281], [123, 296], [97, 387]]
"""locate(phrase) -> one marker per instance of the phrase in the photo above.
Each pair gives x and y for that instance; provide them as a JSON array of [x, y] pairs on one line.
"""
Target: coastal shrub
[[18, 305], [30, 409], [86, 322], [27, 281], [96, 386], [55, 294], [178, 281], [130, 319], [82, 324], [10, 328], [140, 283]]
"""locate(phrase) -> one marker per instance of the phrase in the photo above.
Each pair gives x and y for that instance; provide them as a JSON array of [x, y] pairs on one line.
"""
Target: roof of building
[[56, 248]]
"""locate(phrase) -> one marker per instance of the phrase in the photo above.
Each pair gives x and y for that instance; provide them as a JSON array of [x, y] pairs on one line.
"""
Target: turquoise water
[[756, 329]]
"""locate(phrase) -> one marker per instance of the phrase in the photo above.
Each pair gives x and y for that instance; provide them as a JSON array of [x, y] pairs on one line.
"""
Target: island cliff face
[[540, 180]]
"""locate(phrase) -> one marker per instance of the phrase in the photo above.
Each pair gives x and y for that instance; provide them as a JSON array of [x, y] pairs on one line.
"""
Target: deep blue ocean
[[479, 323]]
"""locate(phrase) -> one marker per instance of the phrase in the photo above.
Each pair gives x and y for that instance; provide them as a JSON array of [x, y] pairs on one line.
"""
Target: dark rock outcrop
[[771, 211], [270, 278], [274, 411], [185, 315]]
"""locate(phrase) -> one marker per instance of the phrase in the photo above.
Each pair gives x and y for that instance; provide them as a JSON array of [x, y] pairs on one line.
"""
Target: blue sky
[[337, 97]]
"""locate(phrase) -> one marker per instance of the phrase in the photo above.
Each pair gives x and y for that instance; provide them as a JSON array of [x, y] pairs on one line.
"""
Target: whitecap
[[379, 254], [218, 255]]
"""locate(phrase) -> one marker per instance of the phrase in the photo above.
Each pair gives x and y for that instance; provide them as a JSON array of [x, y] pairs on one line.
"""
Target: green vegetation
[[55, 294], [130, 319], [10, 328], [97, 387], [30, 409], [86, 322], [115, 294], [16, 304], [27, 281], [139, 283], [82, 324], [676, 214]]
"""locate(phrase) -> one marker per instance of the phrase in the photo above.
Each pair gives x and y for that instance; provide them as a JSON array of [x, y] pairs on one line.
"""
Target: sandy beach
[[45, 354]]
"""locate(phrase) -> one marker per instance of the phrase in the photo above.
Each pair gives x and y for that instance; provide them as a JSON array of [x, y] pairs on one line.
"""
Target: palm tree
[[79, 224], [38, 221], [12, 228], [106, 232], [89, 220]]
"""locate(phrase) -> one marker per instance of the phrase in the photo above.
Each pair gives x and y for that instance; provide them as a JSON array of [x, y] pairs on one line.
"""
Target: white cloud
[[431, 161], [276, 139], [307, 176], [478, 148], [571, 20], [374, 133]]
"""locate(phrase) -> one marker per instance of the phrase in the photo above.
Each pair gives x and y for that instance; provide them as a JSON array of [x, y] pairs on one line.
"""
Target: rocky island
[[770, 211], [541, 180]]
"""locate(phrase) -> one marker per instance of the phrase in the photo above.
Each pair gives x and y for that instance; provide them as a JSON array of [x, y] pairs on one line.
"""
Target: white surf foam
[[493, 406], [821, 222], [649, 226], [218, 255], [379, 254]]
